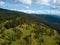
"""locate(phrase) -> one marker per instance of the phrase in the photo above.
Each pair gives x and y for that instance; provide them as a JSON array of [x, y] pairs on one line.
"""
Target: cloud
[[27, 7], [56, 4], [27, 11], [28, 2], [41, 11], [52, 3], [43, 2], [2, 3]]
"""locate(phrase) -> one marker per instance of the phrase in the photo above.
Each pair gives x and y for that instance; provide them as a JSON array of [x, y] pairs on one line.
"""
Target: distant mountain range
[[49, 18], [52, 20]]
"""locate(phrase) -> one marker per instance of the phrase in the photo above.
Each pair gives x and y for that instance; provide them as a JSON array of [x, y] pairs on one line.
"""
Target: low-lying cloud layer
[[41, 11]]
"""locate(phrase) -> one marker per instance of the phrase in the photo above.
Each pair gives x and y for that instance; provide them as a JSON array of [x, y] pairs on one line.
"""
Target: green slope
[[17, 28]]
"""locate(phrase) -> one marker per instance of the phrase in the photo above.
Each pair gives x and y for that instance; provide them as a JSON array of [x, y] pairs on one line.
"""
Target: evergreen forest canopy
[[18, 28]]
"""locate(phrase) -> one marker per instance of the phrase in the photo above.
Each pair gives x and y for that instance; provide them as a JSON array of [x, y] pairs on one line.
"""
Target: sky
[[32, 6]]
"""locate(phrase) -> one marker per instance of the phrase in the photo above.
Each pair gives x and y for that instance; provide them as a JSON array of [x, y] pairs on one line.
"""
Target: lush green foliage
[[24, 29]]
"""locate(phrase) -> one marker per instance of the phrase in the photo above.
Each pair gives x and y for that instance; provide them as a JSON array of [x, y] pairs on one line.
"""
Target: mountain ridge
[[18, 28]]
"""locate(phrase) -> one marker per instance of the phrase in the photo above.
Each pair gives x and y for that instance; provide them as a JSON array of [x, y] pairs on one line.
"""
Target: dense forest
[[18, 28], [52, 20]]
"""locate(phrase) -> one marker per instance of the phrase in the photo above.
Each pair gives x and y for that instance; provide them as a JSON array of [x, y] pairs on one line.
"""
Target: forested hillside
[[18, 28], [52, 20]]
